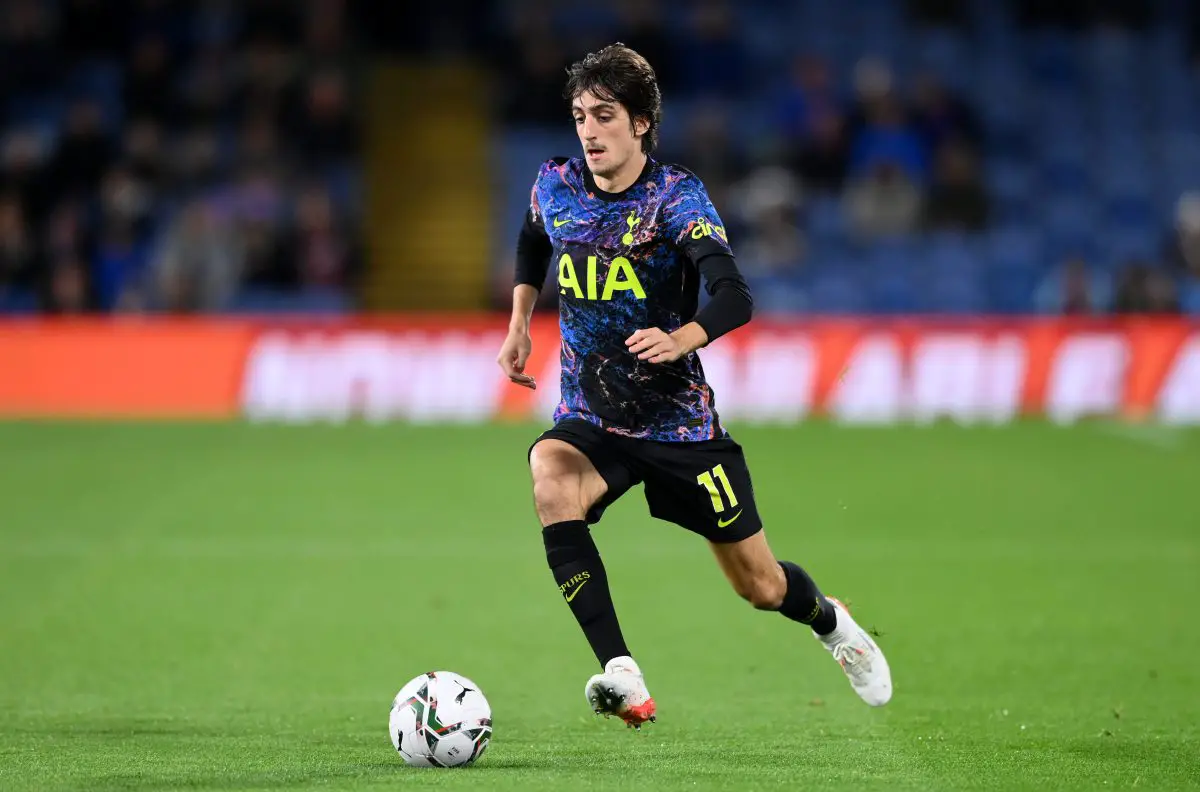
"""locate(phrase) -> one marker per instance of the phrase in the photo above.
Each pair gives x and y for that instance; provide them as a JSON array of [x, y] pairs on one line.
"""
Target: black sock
[[581, 579], [803, 601]]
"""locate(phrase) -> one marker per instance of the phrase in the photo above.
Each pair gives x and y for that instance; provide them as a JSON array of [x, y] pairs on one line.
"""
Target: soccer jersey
[[623, 262]]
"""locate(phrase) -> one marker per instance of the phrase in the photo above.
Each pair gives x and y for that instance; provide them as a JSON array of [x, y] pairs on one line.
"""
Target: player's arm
[[533, 261], [730, 307]]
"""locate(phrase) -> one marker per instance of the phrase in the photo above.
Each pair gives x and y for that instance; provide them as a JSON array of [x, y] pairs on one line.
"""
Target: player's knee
[[555, 487], [555, 498], [763, 592]]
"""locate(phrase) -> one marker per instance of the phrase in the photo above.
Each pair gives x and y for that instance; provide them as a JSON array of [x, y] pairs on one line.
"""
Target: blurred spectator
[[1183, 250], [884, 202], [872, 83], [119, 269], [28, 49], [69, 288], [23, 175], [822, 161], [164, 182], [940, 116], [712, 54], [325, 255], [880, 130], [67, 233], [326, 130], [143, 151], [256, 195], [1142, 289], [265, 76], [84, 152], [20, 260], [259, 148], [806, 99], [533, 95], [325, 32], [205, 88], [126, 201], [1162, 293], [149, 82], [957, 200], [265, 263], [640, 26], [709, 151], [1072, 290], [198, 266], [1183, 243], [767, 204], [776, 245]]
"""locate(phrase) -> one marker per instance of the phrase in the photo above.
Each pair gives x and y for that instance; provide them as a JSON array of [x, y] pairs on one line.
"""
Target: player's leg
[[706, 488], [769, 584], [566, 488], [576, 474], [772, 585]]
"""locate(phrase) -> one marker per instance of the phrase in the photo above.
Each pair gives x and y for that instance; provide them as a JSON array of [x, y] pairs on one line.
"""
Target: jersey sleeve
[[692, 222], [699, 233], [533, 244]]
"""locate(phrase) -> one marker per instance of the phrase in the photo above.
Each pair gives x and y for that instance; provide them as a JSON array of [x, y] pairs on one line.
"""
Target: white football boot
[[859, 657], [621, 691]]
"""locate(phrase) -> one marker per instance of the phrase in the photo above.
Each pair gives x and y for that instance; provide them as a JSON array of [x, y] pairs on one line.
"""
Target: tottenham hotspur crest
[[633, 221]]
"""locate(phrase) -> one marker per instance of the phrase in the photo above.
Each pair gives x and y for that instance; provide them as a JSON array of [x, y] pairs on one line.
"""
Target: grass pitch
[[232, 607]]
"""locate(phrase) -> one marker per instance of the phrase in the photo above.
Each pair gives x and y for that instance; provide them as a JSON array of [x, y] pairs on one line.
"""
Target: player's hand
[[655, 346], [513, 355]]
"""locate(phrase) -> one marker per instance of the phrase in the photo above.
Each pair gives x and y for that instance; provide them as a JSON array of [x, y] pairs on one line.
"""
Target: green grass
[[233, 607]]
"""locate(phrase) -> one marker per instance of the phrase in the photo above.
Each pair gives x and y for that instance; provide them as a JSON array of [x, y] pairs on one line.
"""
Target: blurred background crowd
[[170, 156], [867, 156]]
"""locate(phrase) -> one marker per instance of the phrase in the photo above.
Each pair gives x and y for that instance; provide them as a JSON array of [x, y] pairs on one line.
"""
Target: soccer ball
[[440, 719]]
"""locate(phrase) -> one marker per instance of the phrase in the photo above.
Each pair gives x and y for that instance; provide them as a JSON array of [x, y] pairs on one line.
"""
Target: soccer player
[[631, 238]]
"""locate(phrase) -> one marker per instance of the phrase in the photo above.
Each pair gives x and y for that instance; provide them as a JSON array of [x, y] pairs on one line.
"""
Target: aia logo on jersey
[[617, 277], [702, 228]]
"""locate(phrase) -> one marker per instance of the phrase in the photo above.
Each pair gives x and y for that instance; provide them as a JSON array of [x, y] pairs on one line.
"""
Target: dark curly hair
[[619, 74]]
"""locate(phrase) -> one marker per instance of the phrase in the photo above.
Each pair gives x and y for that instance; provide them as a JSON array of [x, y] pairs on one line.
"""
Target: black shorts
[[702, 486]]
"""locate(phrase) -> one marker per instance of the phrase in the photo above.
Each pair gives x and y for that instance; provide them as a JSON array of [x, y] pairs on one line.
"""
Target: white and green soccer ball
[[440, 719]]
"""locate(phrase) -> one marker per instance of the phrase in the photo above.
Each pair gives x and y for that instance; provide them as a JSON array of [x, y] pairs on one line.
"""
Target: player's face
[[608, 138]]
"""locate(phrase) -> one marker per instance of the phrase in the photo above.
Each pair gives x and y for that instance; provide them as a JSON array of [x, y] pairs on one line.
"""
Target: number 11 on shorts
[[707, 480]]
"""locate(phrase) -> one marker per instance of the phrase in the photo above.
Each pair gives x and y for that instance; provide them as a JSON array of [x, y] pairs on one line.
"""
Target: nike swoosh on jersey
[[558, 222], [576, 591], [730, 521]]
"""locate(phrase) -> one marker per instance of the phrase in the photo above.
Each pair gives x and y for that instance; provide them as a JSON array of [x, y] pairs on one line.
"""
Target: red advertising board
[[442, 368]]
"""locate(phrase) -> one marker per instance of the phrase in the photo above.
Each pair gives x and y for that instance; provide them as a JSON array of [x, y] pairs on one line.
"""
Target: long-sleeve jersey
[[628, 261]]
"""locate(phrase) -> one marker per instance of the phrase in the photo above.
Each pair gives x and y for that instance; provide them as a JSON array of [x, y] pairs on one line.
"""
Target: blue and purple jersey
[[627, 261]]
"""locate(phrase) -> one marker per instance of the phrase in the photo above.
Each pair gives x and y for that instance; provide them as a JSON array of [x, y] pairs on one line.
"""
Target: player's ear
[[640, 126]]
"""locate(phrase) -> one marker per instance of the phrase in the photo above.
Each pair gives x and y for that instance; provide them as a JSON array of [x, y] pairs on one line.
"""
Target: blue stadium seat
[[1069, 217], [1118, 246], [825, 219], [963, 293], [952, 256], [1015, 249], [18, 302], [1189, 295], [836, 293], [1010, 291], [779, 295], [267, 301], [895, 292]]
